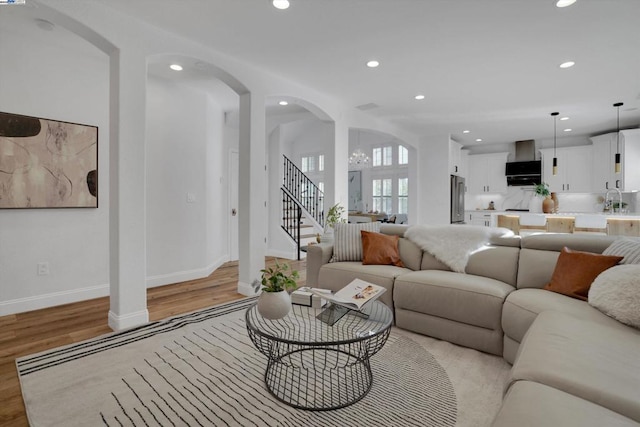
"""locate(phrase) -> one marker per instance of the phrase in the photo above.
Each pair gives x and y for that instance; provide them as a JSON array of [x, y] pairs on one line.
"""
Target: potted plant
[[275, 302], [542, 189], [540, 194], [334, 216]]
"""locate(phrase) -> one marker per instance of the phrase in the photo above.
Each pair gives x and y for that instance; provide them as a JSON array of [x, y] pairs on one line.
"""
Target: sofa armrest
[[317, 256]]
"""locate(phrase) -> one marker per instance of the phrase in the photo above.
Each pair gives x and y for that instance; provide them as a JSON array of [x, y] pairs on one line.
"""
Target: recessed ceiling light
[[283, 103], [567, 64], [280, 4], [565, 3], [568, 130], [479, 140], [564, 118], [419, 97], [373, 64], [175, 67], [466, 131]]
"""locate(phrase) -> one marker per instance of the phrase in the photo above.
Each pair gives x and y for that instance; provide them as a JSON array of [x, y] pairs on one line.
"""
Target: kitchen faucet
[[608, 203]]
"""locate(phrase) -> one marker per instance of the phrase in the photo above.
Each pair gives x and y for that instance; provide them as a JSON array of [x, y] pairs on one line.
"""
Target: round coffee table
[[318, 367]]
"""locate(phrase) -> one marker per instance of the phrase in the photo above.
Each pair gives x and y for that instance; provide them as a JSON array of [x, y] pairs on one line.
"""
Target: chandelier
[[359, 160]]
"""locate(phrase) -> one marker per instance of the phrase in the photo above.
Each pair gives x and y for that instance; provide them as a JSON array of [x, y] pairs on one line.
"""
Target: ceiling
[[490, 66]]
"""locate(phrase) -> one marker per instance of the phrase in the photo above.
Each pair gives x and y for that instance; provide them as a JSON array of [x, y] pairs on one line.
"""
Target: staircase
[[302, 206]]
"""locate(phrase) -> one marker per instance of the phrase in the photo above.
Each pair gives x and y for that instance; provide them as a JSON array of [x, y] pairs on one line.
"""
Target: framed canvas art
[[47, 163]]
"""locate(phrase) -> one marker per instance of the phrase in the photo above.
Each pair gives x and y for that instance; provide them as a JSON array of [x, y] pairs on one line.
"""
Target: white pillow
[[616, 293], [626, 247], [347, 245]]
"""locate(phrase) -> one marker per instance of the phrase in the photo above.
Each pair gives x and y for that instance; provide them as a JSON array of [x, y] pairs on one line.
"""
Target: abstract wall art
[[47, 163]]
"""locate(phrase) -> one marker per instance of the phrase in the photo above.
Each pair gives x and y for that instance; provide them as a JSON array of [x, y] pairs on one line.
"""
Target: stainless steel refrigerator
[[457, 199]]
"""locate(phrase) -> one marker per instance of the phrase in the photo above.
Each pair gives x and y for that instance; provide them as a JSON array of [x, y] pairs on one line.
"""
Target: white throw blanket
[[453, 244]]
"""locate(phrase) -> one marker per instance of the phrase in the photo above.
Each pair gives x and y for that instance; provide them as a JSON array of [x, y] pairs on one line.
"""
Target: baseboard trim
[[246, 289], [184, 276], [36, 302], [119, 323], [284, 254]]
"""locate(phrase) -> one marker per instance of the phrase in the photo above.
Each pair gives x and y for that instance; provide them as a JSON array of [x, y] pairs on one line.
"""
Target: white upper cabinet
[[456, 166], [574, 169], [486, 173], [605, 148]]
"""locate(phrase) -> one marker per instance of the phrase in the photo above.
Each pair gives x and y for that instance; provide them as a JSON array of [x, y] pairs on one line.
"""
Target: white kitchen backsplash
[[519, 197]]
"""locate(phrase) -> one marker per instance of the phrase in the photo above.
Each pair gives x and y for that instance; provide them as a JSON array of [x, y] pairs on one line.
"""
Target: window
[[383, 156], [321, 162], [403, 155], [382, 195], [377, 157], [321, 186], [403, 195], [387, 156], [308, 163]]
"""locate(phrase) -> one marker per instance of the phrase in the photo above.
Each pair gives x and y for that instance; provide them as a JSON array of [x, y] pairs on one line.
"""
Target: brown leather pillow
[[378, 248], [576, 270]]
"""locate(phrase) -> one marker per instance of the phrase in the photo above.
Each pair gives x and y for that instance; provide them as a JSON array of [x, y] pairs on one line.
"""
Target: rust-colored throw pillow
[[576, 270], [378, 248]]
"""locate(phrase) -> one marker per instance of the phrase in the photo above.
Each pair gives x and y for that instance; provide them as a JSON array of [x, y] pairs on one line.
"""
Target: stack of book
[[309, 299]]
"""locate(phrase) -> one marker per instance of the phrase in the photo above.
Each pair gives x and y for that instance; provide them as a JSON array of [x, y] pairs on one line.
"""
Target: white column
[[433, 183], [252, 191], [337, 168], [128, 295]]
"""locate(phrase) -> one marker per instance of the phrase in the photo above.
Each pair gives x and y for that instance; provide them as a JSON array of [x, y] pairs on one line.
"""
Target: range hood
[[526, 170]]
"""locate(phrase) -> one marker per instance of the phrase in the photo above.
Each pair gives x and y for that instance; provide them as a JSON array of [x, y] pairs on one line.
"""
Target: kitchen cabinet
[[486, 173], [481, 218], [574, 169], [605, 148]]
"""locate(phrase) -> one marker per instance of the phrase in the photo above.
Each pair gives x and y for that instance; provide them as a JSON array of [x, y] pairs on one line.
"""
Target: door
[[233, 204]]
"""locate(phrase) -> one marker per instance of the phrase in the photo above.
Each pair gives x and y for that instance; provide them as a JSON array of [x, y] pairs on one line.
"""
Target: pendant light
[[617, 166], [555, 158]]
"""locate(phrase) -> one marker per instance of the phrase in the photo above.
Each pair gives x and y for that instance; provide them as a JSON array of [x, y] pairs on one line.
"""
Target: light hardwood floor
[[26, 333]]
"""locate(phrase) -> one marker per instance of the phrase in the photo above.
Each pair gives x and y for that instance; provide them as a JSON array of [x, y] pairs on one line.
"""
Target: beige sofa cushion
[[540, 252], [474, 300], [410, 254], [536, 405], [337, 275], [523, 306], [587, 359], [496, 262]]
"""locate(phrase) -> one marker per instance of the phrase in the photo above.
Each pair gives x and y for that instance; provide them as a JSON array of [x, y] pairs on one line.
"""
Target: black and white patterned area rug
[[201, 369]]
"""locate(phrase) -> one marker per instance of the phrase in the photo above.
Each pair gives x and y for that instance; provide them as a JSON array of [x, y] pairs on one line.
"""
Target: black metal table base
[[318, 379], [315, 365]]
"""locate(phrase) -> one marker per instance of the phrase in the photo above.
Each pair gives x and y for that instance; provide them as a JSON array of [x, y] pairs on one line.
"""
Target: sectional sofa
[[572, 364]]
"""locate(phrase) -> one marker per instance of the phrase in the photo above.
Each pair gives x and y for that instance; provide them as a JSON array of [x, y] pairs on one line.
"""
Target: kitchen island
[[570, 222]]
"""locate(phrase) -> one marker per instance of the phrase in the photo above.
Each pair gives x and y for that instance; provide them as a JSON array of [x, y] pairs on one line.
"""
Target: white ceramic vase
[[274, 305]]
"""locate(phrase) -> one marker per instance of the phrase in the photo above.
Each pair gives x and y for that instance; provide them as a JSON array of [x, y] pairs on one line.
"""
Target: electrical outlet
[[43, 268]]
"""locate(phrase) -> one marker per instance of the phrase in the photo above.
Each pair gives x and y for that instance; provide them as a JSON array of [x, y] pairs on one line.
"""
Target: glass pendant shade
[[618, 166], [555, 166]]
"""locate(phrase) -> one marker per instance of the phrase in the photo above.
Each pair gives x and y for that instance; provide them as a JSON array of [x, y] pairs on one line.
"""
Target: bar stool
[[591, 224], [512, 222], [532, 223], [560, 224], [623, 227]]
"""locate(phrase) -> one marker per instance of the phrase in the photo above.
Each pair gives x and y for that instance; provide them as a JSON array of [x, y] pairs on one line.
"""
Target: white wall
[[65, 81], [186, 198]]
